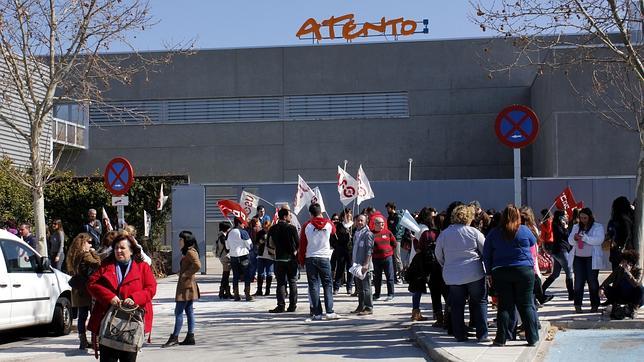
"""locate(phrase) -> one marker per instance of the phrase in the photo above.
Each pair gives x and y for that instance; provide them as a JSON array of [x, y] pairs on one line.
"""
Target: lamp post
[[410, 160]]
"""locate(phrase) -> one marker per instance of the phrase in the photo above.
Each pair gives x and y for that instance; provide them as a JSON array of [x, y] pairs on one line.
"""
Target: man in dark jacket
[[284, 239], [393, 224]]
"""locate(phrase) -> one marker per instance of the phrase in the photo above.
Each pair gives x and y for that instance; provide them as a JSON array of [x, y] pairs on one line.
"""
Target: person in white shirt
[[238, 243]]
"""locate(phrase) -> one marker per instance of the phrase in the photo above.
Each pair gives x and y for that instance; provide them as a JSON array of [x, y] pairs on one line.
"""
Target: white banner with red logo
[[317, 198], [347, 187], [364, 188], [249, 202], [303, 195]]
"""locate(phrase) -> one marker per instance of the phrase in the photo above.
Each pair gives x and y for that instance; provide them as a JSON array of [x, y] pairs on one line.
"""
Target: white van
[[31, 291]]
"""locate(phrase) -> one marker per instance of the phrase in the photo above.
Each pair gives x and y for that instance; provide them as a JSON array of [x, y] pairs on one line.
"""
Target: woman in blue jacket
[[509, 266]]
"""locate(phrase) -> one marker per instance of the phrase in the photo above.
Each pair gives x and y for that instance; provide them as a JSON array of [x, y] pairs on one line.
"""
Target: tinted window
[[18, 258]]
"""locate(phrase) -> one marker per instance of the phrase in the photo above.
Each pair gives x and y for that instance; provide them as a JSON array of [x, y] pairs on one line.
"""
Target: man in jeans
[[315, 253], [362, 249], [396, 228], [384, 244], [282, 237]]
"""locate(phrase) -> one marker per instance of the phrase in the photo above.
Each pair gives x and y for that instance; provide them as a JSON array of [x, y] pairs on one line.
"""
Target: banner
[[317, 198], [303, 195], [364, 188], [147, 223], [229, 207], [566, 201], [347, 187], [162, 199], [106, 221], [249, 202]]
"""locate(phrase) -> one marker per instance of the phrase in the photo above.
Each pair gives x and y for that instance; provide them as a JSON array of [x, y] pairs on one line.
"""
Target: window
[[18, 258]]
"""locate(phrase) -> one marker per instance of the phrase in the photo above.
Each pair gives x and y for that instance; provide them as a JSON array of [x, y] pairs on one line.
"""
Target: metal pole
[[517, 177], [120, 210], [410, 161], [345, 165]]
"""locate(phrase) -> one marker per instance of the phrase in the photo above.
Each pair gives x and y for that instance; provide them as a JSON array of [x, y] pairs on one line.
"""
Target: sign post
[[517, 126], [118, 178]]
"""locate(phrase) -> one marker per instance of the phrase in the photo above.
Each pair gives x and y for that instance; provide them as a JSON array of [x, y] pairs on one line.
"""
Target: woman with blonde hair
[[458, 250], [82, 261], [510, 267]]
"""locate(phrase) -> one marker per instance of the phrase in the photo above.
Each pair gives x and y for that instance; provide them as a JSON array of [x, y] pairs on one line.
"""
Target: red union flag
[[228, 207], [566, 201]]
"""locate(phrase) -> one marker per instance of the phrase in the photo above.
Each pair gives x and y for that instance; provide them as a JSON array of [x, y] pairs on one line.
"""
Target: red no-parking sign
[[118, 176], [516, 126]]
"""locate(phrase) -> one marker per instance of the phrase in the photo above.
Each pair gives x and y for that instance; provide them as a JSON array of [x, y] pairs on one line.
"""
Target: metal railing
[[70, 134]]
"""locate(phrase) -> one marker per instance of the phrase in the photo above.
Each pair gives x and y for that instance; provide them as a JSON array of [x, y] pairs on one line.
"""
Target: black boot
[[236, 293], [227, 294], [172, 341], [260, 284], [83, 341], [225, 285], [249, 297], [189, 340], [571, 289], [222, 292], [269, 281]]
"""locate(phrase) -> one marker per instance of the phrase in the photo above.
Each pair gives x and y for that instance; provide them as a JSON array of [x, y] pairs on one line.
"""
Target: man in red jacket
[[384, 243]]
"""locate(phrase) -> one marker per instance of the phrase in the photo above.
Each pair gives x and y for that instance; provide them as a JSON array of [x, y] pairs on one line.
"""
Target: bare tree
[[603, 36], [49, 53]]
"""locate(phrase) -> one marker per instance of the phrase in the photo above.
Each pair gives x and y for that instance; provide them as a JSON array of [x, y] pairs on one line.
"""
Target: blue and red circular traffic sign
[[516, 126], [118, 176]]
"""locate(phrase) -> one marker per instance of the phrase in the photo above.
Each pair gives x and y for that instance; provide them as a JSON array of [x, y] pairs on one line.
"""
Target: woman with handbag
[[124, 280], [187, 290], [82, 260]]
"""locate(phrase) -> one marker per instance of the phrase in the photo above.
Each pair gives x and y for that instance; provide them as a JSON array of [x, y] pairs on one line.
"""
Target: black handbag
[[78, 281]]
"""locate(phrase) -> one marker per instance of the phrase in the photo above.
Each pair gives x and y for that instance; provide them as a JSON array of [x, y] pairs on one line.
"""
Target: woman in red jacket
[[123, 279]]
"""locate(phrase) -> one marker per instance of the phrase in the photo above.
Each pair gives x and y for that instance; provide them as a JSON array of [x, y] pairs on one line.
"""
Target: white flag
[[302, 196], [347, 187], [106, 221], [364, 188], [147, 223], [249, 202], [317, 198], [162, 199]]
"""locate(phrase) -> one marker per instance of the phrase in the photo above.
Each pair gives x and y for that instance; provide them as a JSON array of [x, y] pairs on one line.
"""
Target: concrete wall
[[449, 132]]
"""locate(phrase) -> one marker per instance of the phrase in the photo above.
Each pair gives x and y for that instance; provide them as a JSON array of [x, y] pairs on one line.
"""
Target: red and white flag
[[249, 202], [303, 195], [317, 199], [566, 201], [229, 207], [347, 187], [162, 199], [364, 188]]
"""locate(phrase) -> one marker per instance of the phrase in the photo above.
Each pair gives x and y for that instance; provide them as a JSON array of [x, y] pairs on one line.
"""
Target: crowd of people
[[461, 256]]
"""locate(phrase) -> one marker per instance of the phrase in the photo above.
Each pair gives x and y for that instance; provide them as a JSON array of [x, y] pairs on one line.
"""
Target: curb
[[441, 354], [600, 324]]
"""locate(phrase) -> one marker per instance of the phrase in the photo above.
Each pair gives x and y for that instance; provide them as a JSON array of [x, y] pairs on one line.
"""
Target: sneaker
[[358, 310], [376, 297], [317, 317], [332, 316], [389, 298], [335, 292], [366, 311], [277, 310]]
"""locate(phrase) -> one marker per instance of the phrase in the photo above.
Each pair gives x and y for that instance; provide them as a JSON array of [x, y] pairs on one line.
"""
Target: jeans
[[561, 262], [286, 273], [319, 270], [252, 266], [388, 266], [239, 264], [83, 312], [265, 267], [398, 261], [179, 307], [514, 289], [477, 293], [113, 355], [363, 290], [584, 273], [342, 266], [415, 300]]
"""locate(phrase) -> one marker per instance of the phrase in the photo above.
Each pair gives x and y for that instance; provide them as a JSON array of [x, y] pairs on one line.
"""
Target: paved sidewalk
[[556, 314]]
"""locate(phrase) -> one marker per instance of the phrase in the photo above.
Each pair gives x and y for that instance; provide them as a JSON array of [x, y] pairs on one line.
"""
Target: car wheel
[[61, 324]]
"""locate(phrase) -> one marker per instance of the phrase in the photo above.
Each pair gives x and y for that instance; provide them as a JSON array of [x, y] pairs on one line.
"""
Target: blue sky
[[251, 23]]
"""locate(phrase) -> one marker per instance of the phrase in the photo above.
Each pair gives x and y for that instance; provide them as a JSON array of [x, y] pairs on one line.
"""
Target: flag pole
[[550, 208]]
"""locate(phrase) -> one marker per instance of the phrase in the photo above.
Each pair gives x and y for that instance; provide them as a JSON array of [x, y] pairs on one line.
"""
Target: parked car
[[31, 291]]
